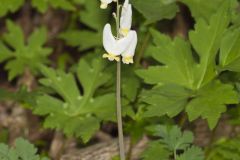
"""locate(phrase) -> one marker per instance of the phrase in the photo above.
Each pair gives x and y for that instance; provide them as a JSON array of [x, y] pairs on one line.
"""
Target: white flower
[[126, 18], [104, 3], [115, 47], [127, 55]]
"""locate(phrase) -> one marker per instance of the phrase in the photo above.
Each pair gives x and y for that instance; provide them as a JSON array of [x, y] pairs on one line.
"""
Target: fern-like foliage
[[188, 81], [224, 149], [21, 54], [172, 142], [23, 150], [76, 113]]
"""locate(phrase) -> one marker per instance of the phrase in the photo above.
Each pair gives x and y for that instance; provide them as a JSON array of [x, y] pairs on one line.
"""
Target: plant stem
[[118, 95], [119, 113]]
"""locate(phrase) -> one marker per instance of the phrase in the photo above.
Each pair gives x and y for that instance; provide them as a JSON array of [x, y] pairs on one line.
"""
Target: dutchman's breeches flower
[[104, 3], [127, 55], [115, 47], [126, 18], [126, 42]]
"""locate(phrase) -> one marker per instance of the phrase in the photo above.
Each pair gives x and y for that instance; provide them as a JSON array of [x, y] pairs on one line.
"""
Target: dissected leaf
[[23, 150], [172, 143], [21, 55], [156, 151], [186, 79], [77, 113], [206, 39], [192, 153], [172, 136], [177, 59]]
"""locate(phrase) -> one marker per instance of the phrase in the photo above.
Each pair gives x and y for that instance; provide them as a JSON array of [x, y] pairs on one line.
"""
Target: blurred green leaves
[[22, 150], [94, 18], [42, 5], [155, 10], [224, 149], [20, 54], [10, 6]]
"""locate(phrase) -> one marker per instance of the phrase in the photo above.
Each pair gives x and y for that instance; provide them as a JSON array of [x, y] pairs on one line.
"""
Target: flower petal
[[126, 21], [104, 3], [130, 50]]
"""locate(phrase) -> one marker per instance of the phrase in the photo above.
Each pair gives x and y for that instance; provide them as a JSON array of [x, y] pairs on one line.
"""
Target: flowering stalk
[[120, 48], [118, 95]]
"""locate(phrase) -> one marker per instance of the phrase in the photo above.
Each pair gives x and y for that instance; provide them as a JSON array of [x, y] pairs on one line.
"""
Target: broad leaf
[[230, 51], [167, 99], [210, 102]]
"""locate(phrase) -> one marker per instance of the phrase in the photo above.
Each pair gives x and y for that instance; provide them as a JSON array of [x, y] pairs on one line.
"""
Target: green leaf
[[156, 151], [77, 113], [211, 98], [224, 149], [177, 59], [23, 150], [82, 39], [192, 153], [10, 6], [130, 83], [206, 39], [172, 136], [93, 16], [230, 51], [7, 153], [167, 99], [172, 143], [156, 10], [42, 5], [23, 55]]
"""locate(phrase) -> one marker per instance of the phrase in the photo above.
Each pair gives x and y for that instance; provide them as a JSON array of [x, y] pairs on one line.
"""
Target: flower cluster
[[125, 44]]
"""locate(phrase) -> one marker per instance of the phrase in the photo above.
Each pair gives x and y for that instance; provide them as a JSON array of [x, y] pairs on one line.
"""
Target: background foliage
[[186, 68]]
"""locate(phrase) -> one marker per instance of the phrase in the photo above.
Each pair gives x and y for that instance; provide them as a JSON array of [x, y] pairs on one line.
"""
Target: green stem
[[118, 95], [119, 113], [175, 154]]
